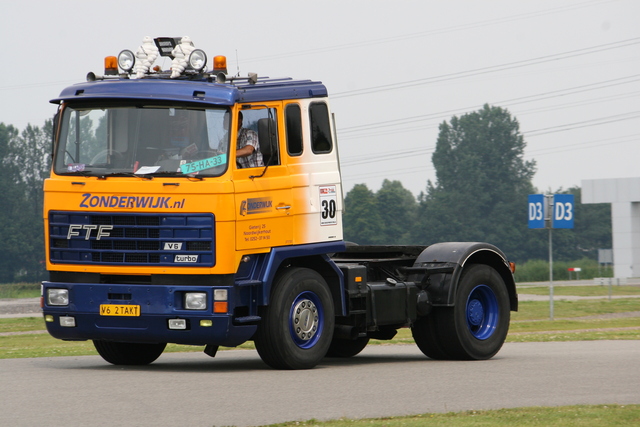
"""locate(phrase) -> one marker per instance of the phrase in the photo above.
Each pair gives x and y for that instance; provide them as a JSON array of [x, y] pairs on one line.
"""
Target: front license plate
[[119, 310]]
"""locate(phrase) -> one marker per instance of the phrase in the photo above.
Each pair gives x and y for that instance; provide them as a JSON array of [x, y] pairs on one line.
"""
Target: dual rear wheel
[[475, 327]]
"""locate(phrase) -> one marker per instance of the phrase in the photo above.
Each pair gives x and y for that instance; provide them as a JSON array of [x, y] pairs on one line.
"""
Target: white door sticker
[[328, 205]]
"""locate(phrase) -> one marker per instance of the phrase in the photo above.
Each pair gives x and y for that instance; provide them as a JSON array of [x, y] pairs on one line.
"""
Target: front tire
[[125, 353], [476, 327], [295, 331]]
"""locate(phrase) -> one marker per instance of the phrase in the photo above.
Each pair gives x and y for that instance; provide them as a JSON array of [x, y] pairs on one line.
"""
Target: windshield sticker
[[147, 169], [75, 167], [203, 164]]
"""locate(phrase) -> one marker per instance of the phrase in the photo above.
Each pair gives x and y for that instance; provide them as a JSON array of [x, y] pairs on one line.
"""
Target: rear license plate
[[119, 310]]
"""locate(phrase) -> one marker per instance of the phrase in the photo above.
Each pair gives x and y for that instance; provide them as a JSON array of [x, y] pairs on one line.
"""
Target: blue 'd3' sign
[[563, 211], [536, 211], [557, 210]]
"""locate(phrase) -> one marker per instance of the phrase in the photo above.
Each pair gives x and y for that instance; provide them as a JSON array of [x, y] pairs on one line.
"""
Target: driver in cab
[[248, 153]]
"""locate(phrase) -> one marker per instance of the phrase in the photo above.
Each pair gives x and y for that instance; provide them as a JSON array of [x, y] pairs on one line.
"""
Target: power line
[[583, 124], [583, 145], [429, 166], [407, 129], [490, 69], [437, 31], [397, 155], [513, 101], [35, 85]]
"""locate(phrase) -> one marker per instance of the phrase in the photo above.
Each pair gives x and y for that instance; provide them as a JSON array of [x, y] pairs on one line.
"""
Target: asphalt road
[[236, 388]]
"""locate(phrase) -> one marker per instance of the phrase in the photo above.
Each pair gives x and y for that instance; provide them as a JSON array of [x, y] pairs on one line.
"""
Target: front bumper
[[157, 305]]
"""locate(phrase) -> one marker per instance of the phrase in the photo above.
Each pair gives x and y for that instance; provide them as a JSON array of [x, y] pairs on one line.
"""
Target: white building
[[624, 196]]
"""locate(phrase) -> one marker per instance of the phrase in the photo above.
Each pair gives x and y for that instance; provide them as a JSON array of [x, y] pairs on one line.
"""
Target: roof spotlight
[[126, 60], [198, 60]]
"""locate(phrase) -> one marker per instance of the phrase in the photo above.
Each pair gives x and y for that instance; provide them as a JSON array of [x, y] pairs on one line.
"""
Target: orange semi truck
[[159, 230]]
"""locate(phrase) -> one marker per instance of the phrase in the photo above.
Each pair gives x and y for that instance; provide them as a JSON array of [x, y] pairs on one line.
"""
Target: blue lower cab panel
[[158, 304], [151, 329]]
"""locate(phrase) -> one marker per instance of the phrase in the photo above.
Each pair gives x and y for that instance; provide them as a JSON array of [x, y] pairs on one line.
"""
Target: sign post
[[551, 211]]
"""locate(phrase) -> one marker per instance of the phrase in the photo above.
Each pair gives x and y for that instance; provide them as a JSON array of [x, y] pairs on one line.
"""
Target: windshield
[[149, 140]]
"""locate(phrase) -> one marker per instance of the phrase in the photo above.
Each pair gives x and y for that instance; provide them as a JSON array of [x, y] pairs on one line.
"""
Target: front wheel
[[295, 331], [125, 353], [476, 326]]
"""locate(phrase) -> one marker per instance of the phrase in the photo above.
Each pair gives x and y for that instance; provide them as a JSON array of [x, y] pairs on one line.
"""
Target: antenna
[[237, 64]]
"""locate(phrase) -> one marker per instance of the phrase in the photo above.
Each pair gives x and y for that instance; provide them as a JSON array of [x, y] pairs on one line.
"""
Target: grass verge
[[583, 291], [539, 310], [578, 416], [19, 290]]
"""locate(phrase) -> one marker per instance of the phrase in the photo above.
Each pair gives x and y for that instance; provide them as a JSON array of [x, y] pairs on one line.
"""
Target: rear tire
[[296, 328], [425, 334], [125, 353], [476, 327]]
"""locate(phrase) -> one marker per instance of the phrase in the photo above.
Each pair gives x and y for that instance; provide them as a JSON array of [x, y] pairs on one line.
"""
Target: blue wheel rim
[[482, 312], [306, 319]]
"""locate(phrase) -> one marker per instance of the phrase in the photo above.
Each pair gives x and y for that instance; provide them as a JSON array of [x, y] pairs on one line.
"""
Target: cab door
[[263, 194]]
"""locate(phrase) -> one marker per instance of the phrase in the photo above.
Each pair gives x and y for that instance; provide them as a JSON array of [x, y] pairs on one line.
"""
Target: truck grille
[[184, 240]]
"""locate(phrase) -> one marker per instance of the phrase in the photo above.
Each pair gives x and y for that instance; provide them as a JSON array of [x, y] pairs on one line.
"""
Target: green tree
[[361, 219], [31, 153], [14, 229], [482, 185], [397, 209], [25, 162]]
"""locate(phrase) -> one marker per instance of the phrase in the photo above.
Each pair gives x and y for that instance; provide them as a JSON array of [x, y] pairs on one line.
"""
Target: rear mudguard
[[445, 262]]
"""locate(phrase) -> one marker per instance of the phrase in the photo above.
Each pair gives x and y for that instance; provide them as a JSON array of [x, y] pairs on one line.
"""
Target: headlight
[[58, 296], [198, 60], [126, 60], [195, 301]]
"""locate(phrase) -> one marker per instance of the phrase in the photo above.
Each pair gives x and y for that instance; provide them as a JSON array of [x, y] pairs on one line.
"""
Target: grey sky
[[569, 71]]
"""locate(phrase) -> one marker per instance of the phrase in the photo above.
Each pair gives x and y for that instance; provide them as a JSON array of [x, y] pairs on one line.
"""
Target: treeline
[[24, 161], [481, 194], [393, 216]]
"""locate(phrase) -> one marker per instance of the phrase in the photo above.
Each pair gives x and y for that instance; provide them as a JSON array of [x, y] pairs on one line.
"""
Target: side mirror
[[54, 127], [268, 140]]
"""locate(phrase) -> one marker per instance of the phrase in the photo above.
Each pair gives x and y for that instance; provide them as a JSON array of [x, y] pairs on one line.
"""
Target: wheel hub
[[475, 312], [482, 312], [305, 319]]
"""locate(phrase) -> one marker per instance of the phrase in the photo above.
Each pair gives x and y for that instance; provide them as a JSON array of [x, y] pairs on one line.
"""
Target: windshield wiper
[[81, 173], [112, 174], [175, 174]]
